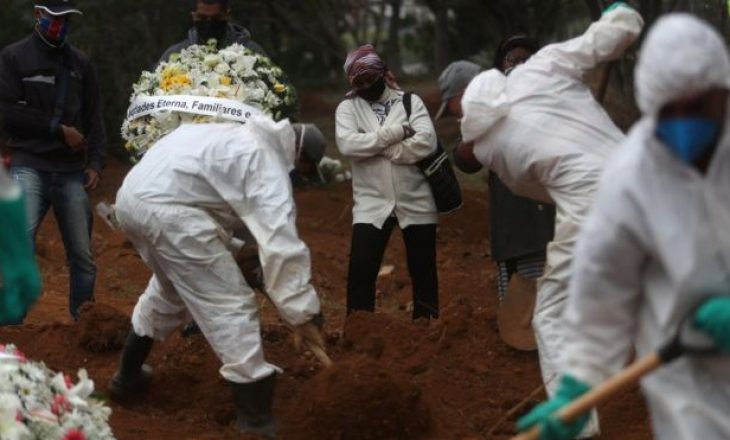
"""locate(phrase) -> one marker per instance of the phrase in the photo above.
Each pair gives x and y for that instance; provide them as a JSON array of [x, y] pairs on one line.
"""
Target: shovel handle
[[602, 393], [321, 355]]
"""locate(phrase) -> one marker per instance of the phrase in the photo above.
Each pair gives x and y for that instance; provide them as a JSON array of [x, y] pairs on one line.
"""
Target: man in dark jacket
[[50, 104], [212, 19]]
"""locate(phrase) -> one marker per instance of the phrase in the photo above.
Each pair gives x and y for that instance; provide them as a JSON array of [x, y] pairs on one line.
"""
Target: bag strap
[[407, 104]]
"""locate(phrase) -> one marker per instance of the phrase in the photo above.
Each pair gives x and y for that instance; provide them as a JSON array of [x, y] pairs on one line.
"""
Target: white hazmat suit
[[547, 138], [656, 243], [179, 205]]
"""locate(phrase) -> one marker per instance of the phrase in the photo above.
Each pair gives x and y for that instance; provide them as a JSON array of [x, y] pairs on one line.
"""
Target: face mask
[[208, 29], [373, 92], [54, 29], [688, 137]]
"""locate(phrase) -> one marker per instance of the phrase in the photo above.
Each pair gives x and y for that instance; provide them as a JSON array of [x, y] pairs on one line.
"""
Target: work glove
[[616, 5], [713, 317], [21, 281], [544, 414]]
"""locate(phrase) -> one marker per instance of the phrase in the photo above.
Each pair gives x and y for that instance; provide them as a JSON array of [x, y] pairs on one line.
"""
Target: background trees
[[310, 38]]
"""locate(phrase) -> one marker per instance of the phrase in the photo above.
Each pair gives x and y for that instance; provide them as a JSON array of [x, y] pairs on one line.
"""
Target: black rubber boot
[[254, 403], [133, 376]]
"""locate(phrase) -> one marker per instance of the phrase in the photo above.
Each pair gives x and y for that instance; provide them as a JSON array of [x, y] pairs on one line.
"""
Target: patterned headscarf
[[364, 66]]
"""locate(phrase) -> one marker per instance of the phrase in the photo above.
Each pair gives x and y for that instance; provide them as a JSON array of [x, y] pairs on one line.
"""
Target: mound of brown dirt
[[102, 328], [359, 399]]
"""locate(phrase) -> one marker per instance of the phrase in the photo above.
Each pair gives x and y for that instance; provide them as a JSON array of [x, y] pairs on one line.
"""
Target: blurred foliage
[[310, 38]]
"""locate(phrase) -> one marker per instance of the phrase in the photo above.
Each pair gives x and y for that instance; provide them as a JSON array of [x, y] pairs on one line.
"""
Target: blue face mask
[[688, 137]]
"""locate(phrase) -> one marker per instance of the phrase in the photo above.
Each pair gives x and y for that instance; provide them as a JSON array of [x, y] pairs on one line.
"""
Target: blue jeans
[[66, 194]]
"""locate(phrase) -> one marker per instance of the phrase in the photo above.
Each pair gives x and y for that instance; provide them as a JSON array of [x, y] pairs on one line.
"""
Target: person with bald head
[[212, 20]]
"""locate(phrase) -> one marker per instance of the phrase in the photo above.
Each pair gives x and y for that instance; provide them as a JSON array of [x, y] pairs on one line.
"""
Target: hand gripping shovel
[[686, 341]]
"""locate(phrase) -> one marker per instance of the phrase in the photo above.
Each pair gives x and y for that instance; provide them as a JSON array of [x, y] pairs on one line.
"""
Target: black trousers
[[366, 256]]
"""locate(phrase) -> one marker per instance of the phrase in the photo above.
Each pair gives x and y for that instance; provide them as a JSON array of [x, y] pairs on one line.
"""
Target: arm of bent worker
[[19, 120], [93, 121], [420, 145], [356, 144], [257, 187], [605, 40], [604, 296]]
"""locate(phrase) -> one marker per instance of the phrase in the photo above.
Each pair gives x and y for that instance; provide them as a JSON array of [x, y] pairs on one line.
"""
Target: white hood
[[279, 135], [484, 104], [681, 56]]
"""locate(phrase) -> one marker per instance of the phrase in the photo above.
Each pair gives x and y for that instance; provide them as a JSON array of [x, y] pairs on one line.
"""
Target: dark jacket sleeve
[[19, 120], [93, 120]]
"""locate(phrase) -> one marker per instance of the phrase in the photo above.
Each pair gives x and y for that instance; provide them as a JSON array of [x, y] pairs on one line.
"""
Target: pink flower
[[74, 434], [60, 404], [19, 417], [69, 382], [20, 355]]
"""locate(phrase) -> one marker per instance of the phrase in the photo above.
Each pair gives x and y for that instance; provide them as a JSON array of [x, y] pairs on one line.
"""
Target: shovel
[[686, 341]]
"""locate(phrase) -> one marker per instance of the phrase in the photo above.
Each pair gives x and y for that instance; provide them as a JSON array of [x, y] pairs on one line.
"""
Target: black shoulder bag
[[439, 173]]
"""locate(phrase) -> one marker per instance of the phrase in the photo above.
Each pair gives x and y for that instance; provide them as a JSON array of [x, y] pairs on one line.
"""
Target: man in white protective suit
[[179, 206], [547, 138], [654, 254]]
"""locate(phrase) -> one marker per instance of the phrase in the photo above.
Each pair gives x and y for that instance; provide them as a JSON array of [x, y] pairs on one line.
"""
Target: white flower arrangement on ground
[[37, 403], [234, 74]]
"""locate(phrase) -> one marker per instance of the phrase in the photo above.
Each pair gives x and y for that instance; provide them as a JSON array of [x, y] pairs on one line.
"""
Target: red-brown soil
[[449, 378]]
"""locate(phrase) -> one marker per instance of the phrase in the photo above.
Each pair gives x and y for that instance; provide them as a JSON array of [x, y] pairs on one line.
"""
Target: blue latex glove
[[713, 317], [615, 5], [21, 281], [544, 414]]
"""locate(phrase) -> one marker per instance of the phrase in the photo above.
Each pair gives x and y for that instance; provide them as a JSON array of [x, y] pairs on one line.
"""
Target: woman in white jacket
[[373, 131]]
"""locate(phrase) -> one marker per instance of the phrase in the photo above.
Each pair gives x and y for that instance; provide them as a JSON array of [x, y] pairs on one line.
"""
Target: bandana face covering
[[208, 29], [54, 29], [374, 91], [688, 137]]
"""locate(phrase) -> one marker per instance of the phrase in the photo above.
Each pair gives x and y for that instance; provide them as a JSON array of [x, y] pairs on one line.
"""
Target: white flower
[[11, 429]]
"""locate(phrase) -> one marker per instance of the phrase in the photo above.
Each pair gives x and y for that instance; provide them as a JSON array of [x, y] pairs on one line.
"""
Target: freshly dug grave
[[451, 378], [358, 399]]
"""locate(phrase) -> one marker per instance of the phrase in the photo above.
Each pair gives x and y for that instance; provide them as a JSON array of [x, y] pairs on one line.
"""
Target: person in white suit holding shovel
[[547, 138], [179, 206], [654, 255]]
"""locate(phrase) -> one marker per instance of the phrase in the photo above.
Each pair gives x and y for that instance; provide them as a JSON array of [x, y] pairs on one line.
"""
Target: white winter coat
[[384, 177], [656, 243]]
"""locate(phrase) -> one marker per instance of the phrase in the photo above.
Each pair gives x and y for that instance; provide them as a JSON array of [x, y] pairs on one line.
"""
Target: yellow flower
[[279, 88], [225, 80]]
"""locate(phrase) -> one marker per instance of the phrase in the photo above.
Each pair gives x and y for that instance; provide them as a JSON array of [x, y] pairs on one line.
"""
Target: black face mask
[[373, 92], [208, 29]]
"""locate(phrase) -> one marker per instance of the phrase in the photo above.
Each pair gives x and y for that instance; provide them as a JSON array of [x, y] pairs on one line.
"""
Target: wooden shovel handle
[[321, 355], [602, 393]]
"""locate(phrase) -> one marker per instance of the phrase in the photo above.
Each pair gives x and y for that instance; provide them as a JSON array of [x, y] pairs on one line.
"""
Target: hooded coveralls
[[179, 205], [543, 133], [657, 242]]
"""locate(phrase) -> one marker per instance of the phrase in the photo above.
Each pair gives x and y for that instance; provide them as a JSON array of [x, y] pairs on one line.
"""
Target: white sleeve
[[358, 144], [420, 145], [605, 40], [605, 290], [258, 189]]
